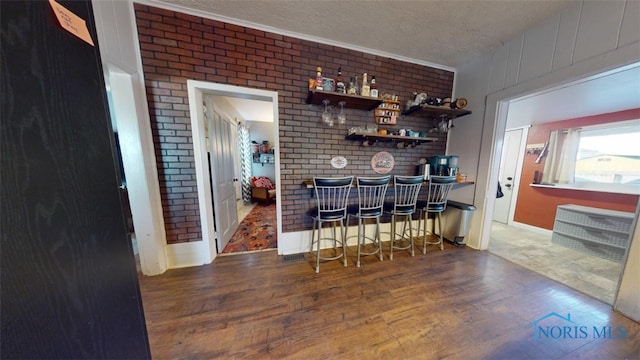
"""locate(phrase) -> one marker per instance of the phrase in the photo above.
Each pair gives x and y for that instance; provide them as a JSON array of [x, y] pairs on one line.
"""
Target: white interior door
[[511, 156], [221, 133]]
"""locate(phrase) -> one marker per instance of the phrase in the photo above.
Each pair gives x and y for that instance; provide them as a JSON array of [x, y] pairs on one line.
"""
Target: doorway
[[509, 175], [527, 245], [198, 92]]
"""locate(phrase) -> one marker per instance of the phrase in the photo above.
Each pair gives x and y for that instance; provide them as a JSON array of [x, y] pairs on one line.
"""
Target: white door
[[511, 154], [221, 132]]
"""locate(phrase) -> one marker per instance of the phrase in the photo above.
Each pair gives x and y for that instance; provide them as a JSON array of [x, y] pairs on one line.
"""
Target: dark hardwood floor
[[457, 303]]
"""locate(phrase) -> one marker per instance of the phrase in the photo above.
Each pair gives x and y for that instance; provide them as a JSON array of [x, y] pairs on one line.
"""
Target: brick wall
[[176, 47]]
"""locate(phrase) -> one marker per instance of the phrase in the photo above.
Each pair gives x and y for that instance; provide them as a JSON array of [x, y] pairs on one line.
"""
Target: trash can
[[455, 221]]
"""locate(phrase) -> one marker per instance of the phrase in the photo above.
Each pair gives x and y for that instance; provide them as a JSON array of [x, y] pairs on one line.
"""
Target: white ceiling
[[448, 33], [443, 34], [252, 110], [605, 93]]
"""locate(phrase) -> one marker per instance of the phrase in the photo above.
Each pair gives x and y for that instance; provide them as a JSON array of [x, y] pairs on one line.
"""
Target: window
[[609, 155], [595, 157]]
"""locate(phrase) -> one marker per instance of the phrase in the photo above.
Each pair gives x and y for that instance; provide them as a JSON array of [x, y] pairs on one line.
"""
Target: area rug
[[257, 231]]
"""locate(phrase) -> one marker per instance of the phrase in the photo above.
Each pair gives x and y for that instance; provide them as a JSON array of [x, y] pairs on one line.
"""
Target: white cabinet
[[595, 231]]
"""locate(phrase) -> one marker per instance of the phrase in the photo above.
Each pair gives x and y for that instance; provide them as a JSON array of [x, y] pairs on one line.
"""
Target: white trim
[[186, 254], [300, 241], [140, 172], [206, 15], [495, 118], [207, 252], [519, 164], [535, 229]]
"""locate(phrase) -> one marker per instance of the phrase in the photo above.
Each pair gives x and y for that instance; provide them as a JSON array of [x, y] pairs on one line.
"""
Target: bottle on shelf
[[365, 89], [373, 91], [319, 78], [340, 86], [352, 89]]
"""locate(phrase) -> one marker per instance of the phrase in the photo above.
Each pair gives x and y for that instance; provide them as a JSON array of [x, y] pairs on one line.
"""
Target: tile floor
[[594, 276]]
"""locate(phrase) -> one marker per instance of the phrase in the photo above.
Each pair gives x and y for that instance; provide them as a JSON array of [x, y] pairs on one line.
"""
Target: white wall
[[585, 39], [118, 42], [260, 131]]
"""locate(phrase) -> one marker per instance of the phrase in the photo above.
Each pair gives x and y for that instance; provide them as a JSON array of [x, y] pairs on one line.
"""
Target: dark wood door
[[69, 287]]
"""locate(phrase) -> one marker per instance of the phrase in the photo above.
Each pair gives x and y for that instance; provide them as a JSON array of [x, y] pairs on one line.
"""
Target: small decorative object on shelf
[[365, 89], [373, 88], [340, 86], [319, 85], [353, 88]]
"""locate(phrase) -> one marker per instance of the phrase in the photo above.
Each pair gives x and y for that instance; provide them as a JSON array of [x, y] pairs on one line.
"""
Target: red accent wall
[[537, 206], [176, 47]]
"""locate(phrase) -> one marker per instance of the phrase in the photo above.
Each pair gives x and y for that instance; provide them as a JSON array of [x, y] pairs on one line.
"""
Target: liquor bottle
[[318, 78], [340, 86], [366, 89], [352, 90], [374, 87]]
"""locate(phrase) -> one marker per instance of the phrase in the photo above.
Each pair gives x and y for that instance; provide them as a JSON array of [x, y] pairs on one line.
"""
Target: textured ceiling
[[446, 33], [437, 33]]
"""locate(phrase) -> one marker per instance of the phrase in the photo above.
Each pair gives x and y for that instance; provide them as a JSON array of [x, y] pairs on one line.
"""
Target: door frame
[[206, 253], [494, 126], [142, 181], [518, 170]]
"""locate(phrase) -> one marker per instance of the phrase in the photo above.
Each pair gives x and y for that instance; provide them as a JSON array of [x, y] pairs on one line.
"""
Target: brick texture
[[176, 47]]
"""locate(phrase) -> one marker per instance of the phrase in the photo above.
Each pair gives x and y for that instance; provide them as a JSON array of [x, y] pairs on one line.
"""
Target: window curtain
[[245, 162], [560, 165]]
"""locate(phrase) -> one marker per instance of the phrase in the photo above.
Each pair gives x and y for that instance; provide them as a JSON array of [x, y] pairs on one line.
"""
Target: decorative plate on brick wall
[[382, 162], [338, 162]]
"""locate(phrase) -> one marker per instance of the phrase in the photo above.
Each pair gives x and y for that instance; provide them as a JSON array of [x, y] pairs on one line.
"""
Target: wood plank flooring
[[458, 303]]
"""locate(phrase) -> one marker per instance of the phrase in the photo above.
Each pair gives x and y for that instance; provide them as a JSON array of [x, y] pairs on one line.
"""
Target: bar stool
[[371, 194], [406, 189], [435, 203], [331, 198]]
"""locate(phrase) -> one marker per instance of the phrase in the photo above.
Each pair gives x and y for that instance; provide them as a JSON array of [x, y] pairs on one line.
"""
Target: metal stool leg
[[441, 232], [424, 218], [413, 253], [317, 243], [393, 235], [343, 235], [359, 240], [379, 238]]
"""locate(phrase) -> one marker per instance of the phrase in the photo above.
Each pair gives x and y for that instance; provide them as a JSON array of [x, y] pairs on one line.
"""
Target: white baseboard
[[186, 254], [300, 241], [535, 229], [193, 253]]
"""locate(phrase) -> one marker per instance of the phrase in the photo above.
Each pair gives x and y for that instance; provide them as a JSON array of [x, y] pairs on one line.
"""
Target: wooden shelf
[[373, 138], [435, 111], [316, 97]]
